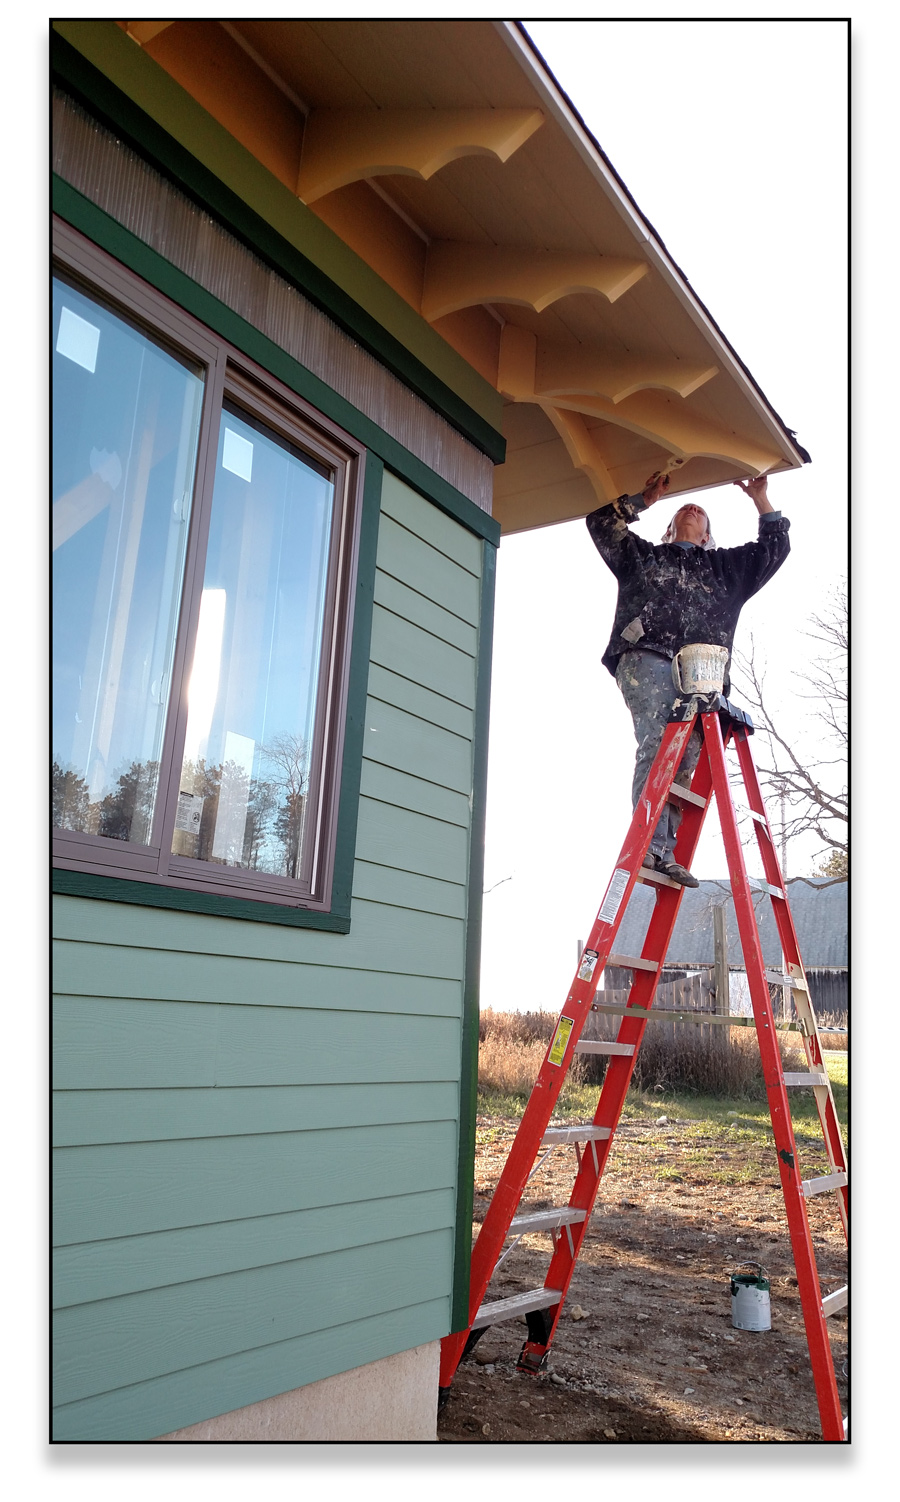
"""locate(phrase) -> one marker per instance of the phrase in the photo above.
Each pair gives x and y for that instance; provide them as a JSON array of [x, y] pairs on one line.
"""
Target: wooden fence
[[686, 993]]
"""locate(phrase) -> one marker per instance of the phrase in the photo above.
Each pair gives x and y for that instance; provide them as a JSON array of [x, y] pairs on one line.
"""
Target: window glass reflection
[[125, 432], [255, 674]]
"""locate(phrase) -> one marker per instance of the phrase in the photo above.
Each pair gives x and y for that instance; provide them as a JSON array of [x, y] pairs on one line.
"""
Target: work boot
[[677, 873]]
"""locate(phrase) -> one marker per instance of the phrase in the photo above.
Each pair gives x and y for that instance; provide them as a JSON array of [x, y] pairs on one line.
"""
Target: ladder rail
[[818, 1339], [620, 1068], [790, 947], [542, 1307], [505, 1199]]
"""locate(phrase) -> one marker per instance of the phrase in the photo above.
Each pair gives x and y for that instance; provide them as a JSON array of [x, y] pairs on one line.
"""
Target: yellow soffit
[[344, 146], [562, 372]]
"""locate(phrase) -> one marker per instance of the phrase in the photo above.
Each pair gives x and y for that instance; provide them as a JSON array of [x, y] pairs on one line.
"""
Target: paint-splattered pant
[[645, 679]]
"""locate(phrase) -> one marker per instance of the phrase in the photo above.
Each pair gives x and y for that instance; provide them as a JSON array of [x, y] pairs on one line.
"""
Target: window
[[205, 526]]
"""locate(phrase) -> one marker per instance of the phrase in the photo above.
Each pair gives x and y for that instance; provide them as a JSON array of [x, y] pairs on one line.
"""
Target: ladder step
[[748, 812], [589, 1045], [807, 1080], [655, 878], [626, 963], [520, 1303], [776, 978], [835, 1301], [577, 1134], [661, 1014], [765, 886], [686, 795], [822, 1186], [546, 1220]]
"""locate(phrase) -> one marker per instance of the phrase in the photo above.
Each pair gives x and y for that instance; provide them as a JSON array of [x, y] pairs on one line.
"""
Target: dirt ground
[[645, 1352]]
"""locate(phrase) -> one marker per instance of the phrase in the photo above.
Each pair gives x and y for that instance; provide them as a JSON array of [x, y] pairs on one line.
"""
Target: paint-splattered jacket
[[670, 594]]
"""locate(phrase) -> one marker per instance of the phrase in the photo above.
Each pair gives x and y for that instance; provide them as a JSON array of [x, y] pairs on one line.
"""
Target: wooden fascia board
[[560, 111]]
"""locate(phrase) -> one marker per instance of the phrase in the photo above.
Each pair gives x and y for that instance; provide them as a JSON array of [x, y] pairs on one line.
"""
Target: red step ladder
[[723, 725]]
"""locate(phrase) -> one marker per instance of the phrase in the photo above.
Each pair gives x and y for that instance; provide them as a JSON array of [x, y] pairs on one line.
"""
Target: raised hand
[[656, 486], [757, 491]]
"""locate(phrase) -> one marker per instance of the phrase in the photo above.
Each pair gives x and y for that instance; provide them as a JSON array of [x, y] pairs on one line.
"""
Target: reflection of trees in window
[[261, 805], [255, 823], [124, 814], [71, 801], [252, 823], [288, 755], [127, 812]]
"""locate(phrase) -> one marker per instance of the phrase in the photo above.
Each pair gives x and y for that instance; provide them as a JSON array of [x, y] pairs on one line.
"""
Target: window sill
[[212, 904]]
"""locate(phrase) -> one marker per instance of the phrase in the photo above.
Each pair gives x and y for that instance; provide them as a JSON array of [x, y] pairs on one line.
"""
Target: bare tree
[[288, 756], [807, 773]]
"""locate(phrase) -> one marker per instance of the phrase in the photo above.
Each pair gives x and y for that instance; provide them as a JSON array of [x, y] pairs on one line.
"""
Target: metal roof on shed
[[818, 907]]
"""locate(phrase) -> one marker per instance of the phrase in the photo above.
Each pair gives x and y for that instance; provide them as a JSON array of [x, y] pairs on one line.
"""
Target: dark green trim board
[[151, 894], [468, 1083], [119, 242], [121, 86]]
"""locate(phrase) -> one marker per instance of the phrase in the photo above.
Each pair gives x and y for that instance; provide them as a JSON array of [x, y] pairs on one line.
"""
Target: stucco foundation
[[393, 1399]]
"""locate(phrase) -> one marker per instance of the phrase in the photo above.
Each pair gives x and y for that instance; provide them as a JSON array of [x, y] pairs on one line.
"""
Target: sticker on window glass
[[78, 340], [237, 454], [190, 811], [560, 1039], [588, 961]]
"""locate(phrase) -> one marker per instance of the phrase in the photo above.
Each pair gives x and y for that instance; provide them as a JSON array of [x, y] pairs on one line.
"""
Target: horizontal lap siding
[[256, 1127]]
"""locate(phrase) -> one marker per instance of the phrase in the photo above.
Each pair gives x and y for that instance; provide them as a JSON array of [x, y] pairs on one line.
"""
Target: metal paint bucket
[[699, 668], [750, 1308]]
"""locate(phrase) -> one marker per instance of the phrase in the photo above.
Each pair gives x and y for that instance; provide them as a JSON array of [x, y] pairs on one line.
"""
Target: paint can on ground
[[699, 668], [750, 1307]]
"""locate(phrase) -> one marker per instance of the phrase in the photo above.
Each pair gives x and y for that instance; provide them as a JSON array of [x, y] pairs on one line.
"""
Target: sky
[[747, 186]]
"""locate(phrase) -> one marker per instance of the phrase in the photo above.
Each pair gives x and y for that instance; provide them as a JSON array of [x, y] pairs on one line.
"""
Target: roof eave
[[566, 115]]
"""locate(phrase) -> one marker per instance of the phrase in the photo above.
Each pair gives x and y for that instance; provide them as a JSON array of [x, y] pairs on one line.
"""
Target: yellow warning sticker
[[560, 1039]]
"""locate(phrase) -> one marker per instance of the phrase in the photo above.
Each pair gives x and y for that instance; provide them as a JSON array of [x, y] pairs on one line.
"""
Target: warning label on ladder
[[614, 894], [560, 1039]]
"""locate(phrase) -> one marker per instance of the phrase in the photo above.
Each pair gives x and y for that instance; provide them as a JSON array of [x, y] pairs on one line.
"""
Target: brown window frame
[[229, 375]]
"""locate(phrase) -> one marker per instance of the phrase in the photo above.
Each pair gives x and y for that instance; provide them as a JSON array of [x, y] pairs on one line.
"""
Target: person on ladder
[[672, 593]]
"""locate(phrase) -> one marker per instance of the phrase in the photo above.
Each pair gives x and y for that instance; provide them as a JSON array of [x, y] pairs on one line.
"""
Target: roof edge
[[517, 37]]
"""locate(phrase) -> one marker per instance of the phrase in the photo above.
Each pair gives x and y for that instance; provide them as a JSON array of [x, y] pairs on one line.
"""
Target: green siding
[[113, 1116], [257, 1128], [425, 569], [416, 793], [142, 1410], [91, 1271], [204, 1320], [128, 1189], [407, 889], [428, 663], [119, 1044], [423, 612]]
